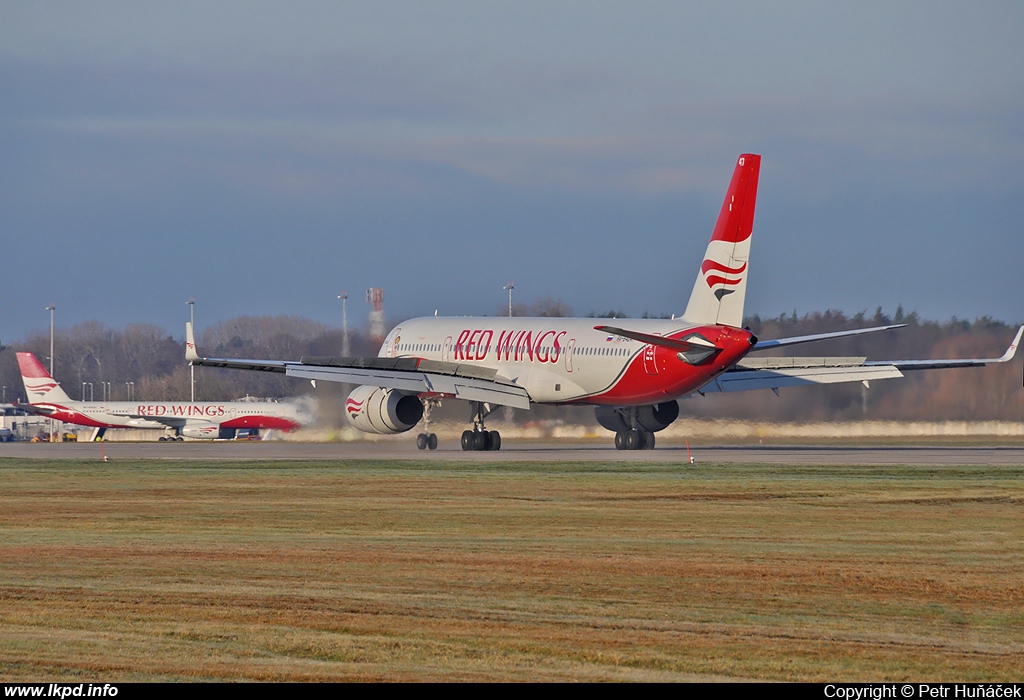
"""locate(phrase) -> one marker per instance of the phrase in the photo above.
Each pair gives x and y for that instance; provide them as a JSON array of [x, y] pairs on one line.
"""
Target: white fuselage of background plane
[[159, 415]]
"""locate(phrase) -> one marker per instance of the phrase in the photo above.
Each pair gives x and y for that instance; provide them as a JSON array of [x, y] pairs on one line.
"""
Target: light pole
[[51, 308], [344, 324], [192, 318], [510, 286]]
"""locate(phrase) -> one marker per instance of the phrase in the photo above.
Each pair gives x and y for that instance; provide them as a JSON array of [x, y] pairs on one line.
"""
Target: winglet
[[1012, 350], [190, 344]]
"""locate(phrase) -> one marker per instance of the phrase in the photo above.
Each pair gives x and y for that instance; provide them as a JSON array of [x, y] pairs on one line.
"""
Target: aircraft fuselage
[[565, 360]]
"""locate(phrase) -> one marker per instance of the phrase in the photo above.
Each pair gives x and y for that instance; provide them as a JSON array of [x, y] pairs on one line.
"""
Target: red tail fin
[[736, 220], [31, 367], [721, 286], [39, 385]]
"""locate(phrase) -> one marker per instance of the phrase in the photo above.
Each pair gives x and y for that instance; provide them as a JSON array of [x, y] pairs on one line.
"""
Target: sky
[[263, 157]]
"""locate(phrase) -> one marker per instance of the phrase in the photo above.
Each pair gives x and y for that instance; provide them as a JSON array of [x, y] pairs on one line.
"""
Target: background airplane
[[180, 419], [633, 370]]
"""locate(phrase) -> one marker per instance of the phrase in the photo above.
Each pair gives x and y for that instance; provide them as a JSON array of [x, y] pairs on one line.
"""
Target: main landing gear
[[174, 437], [634, 439], [427, 440], [479, 439], [629, 433]]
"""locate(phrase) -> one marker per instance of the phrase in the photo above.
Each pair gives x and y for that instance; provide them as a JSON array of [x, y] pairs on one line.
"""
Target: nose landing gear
[[427, 440]]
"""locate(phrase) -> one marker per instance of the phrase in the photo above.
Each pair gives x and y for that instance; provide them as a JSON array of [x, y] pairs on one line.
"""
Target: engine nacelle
[[610, 419], [201, 430], [374, 409], [652, 418]]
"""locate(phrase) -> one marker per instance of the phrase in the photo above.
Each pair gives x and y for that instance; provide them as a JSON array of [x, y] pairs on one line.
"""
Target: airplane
[[634, 371], [180, 419]]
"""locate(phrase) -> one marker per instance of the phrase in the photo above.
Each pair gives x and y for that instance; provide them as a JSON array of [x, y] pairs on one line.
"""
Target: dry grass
[[433, 571]]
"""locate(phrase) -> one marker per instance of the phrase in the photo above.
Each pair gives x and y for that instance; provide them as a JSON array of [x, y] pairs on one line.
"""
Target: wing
[[408, 374], [779, 372], [168, 421], [784, 372], [949, 364], [781, 342]]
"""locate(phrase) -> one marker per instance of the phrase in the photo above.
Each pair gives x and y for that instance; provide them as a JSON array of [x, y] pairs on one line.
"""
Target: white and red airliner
[[633, 370], [178, 419]]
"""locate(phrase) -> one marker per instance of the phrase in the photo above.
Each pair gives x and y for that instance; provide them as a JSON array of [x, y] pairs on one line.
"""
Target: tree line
[[93, 361]]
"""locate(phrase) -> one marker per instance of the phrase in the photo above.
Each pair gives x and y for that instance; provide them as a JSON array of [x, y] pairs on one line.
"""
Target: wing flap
[[404, 364], [743, 379], [419, 382], [162, 420]]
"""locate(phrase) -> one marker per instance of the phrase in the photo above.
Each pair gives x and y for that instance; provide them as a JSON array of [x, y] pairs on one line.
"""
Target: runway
[[568, 451]]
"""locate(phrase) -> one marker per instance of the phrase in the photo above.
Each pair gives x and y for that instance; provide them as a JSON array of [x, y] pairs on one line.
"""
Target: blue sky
[[263, 157]]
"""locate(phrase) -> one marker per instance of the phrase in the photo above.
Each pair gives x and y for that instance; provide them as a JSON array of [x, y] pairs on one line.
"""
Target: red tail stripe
[[715, 279], [31, 367], [719, 267], [736, 220]]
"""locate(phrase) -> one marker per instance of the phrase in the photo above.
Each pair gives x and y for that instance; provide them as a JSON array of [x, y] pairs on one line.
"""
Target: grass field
[[416, 571]]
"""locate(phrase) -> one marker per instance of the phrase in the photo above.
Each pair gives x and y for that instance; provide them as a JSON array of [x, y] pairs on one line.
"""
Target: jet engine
[[375, 409], [651, 418], [202, 430]]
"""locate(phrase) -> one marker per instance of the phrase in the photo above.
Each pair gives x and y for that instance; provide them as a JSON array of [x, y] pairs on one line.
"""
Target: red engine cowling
[[374, 409]]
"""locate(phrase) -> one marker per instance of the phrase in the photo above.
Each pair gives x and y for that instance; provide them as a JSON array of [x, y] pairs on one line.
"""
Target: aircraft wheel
[[179, 439], [421, 441], [632, 439], [620, 441], [432, 441], [646, 440], [495, 441], [481, 441], [467, 441]]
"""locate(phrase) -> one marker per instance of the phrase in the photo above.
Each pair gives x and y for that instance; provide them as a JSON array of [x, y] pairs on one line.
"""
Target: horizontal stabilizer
[[36, 410], [678, 345]]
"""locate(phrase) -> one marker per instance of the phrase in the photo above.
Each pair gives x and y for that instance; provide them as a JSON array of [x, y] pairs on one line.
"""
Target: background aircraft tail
[[39, 385], [721, 285]]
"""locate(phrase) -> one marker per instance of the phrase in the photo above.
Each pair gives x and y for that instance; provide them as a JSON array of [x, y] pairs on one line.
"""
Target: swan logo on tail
[[722, 275]]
